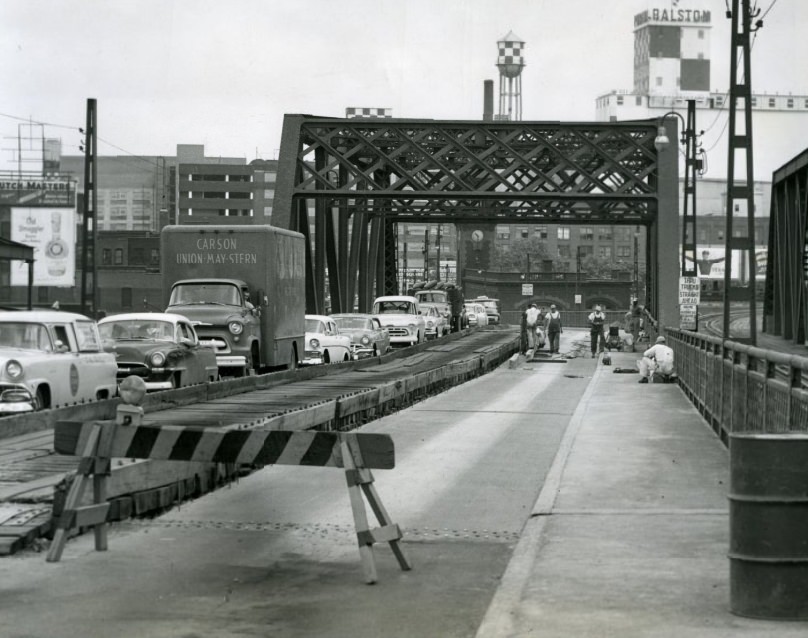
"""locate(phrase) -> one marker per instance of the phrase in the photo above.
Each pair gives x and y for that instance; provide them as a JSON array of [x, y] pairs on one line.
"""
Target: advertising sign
[[527, 290], [711, 262], [38, 191], [51, 232]]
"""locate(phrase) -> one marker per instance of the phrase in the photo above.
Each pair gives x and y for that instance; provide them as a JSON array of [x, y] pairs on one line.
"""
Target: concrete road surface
[[275, 554]]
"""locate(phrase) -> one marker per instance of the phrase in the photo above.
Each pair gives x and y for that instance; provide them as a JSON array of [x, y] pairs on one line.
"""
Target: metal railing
[[741, 388]]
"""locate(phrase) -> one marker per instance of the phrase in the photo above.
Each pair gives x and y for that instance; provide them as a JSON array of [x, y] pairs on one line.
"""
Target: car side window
[[60, 332], [86, 337]]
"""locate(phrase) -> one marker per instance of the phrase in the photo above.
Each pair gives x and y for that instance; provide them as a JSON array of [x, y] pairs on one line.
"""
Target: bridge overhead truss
[[785, 305], [345, 183]]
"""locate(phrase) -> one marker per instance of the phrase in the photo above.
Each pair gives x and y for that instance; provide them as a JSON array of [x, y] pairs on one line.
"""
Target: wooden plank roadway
[[29, 469]]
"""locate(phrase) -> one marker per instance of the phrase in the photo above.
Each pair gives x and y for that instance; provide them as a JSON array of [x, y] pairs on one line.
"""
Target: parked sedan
[[476, 315], [435, 322], [50, 359], [324, 343], [368, 338], [162, 348]]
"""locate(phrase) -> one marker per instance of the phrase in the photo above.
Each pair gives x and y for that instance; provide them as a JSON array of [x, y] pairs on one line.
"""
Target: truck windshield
[[205, 293], [432, 297]]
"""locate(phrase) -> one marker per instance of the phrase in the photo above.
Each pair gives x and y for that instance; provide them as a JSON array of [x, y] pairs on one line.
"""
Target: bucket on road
[[768, 517]]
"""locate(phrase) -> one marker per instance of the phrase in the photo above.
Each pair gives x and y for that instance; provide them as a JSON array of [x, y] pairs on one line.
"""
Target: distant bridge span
[[345, 183]]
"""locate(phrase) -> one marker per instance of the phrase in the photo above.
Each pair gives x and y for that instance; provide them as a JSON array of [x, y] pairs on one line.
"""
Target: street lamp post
[[694, 165]]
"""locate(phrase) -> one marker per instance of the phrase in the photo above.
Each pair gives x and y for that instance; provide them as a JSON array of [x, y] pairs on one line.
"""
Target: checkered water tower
[[510, 63]]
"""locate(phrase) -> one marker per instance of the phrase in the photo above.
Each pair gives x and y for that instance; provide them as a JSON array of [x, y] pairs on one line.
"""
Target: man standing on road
[[553, 328], [658, 358], [531, 321], [597, 319]]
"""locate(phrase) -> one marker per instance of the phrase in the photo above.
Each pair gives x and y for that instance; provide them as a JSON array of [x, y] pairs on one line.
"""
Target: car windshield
[[393, 308], [353, 323], [32, 336], [136, 330], [205, 293], [490, 304], [315, 325]]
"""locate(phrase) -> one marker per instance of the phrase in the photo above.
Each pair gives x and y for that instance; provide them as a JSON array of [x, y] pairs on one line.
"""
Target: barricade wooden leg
[[95, 463], [74, 495], [360, 480]]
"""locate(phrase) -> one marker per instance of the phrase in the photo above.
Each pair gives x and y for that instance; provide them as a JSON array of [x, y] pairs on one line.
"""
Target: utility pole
[[426, 253], [741, 189], [89, 292]]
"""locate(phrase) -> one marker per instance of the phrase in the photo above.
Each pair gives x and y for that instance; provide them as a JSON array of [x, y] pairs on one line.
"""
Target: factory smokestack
[[488, 99]]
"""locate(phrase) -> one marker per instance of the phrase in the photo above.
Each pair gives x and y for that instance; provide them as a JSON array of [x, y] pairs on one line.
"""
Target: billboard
[[51, 232], [711, 262]]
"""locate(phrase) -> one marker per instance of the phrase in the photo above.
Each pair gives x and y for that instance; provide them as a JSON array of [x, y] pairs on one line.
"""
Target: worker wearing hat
[[597, 319], [553, 328], [657, 359]]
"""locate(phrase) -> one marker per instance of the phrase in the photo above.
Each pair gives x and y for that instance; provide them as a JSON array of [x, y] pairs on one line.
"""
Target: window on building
[[619, 99], [154, 257], [118, 257], [267, 211], [106, 257], [624, 252], [240, 178], [701, 34], [605, 252], [564, 251], [270, 177], [790, 103], [638, 100], [42, 294], [523, 232], [540, 232], [605, 233], [503, 231], [754, 101], [806, 103], [587, 233], [586, 251], [659, 80], [233, 195], [269, 193], [721, 235], [771, 102]]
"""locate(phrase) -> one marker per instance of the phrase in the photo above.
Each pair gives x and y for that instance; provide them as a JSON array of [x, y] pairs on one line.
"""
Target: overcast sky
[[223, 72]]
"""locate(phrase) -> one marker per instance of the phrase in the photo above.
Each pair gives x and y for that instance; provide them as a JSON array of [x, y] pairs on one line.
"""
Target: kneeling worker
[[658, 358]]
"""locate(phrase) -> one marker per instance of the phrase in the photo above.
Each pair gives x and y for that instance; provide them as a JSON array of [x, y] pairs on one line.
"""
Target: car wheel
[[346, 357], [42, 399], [326, 357], [375, 351], [176, 380], [293, 362]]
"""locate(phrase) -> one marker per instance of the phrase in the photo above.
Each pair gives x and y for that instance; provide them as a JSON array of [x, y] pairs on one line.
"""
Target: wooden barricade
[[100, 441]]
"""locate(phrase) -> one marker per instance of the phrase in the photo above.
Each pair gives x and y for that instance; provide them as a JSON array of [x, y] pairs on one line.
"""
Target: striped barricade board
[[96, 442], [243, 447]]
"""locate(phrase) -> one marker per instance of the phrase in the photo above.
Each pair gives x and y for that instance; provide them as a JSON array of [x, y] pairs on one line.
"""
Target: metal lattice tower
[[739, 273], [510, 63]]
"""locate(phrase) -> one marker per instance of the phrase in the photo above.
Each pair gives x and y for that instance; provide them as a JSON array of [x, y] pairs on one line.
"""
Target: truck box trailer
[[244, 289]]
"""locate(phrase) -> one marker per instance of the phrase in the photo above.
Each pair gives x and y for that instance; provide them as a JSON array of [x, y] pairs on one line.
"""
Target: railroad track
[[333, 397]]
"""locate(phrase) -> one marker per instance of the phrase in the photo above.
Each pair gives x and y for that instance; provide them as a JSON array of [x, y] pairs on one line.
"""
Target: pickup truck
[[402, 317]]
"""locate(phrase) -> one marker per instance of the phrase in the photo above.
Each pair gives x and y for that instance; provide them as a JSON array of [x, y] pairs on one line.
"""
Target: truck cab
[[224, 318]]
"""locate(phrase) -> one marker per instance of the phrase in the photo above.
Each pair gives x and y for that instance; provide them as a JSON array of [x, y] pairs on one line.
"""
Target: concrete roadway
[[276, 555]]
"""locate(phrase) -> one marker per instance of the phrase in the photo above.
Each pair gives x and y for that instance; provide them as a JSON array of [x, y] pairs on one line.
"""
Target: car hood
[[399, 320], [212, 314], [140, 350]]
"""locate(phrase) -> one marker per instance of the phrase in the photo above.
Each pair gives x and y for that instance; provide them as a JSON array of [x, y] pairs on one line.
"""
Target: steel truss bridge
[[346, 183]]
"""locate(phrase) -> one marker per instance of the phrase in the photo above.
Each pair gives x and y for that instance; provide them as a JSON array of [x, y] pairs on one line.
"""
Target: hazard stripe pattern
[[250, 447]]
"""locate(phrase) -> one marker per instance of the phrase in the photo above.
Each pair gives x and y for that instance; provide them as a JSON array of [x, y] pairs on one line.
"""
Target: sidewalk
[[629, 536]]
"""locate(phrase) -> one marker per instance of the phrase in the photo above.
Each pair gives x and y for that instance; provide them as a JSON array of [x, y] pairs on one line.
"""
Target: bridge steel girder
[[433, 171], [785, 303]]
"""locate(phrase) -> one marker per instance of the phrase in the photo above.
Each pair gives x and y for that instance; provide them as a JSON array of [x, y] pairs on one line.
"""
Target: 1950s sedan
[[368, 338], [51, 359], [324, 343], [161, 348]]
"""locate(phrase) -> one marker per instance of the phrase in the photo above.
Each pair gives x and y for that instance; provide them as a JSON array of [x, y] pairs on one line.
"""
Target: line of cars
[[52, 358]]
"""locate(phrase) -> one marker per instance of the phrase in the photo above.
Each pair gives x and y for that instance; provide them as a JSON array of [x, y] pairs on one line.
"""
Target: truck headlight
[[235, 327], [157, 360], [14, 369], [411, 325], [314, 343], [430, 323]]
